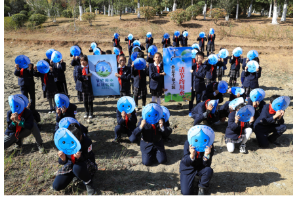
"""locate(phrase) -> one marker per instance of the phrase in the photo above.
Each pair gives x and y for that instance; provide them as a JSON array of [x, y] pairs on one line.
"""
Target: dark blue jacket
[[75, 63], [258, 110], [233, 63], [129, 63], [209, 39], [83, 85], [199, 113], [189, 167], [243, 67], [265, 121], [148, 133], [183, 41], [70, 112], [201, 44], [27, 116], [132, 121], [125, 79], [198, 81], [176, 41], [233, 130], [27, 78], [139, 80], [149, 59], [166, 44], [86, 144], [209, 94], [252, 79], [156, 80], [50, 85], [129, 42], [114, 43], [59, 69], [224, 110], [149, 42], [211, 75]]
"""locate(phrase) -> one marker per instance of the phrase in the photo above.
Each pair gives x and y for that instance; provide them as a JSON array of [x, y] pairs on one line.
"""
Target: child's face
[[122, 61], [199, 58], [84, 63], [157, 58]]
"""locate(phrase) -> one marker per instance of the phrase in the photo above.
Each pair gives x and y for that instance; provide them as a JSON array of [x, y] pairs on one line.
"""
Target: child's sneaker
[[136, 109], [90, 189], [40, 148], [90, 115], [190, 114], [242, 148], [86, 115], [53, 111], [201, 191]]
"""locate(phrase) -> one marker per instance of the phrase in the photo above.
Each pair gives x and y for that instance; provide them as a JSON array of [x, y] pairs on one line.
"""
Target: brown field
[[260, 172]]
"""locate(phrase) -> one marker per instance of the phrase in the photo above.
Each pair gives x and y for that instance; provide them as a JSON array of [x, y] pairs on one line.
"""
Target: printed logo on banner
[[177, 66], [103, 79]]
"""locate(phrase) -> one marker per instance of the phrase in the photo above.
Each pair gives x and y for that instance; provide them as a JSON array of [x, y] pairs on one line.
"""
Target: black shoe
[[90, 189], [19, 144], [116, 141], [201, 191], [40, 148], [39, 127]]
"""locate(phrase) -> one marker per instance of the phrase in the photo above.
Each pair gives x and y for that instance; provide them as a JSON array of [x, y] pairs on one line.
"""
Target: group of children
[[151, 137]]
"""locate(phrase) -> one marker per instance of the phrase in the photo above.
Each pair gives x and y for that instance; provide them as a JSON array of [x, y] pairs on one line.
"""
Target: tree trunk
[[227, 18], [269, 15], [104, 10], [274, 18], [205, 8], [139, 16], [112, 8], [237, 10], [278, 10], [80, 9], [284, 12], [90, 5], [109, 9], [210, 8], [250, 9], [120, 14], [174, 5]]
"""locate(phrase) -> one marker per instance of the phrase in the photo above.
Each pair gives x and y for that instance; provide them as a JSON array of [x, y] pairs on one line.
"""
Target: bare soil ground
[[260, 172]]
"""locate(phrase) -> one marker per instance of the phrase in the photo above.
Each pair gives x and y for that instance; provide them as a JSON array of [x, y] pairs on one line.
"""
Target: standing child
[[84, 86], [26, 82], [183, 39], [156, 74], [124, 76], [149, 40], [235, 69], [116, 40], [202, 42], [48, 86], [210, 45], [237, 131], [59, 69], [129, 46], [139, 84], [198, 86], [220, 69], [176, 39], [166, 42], [81, 165], [211, 72], [251, 80]]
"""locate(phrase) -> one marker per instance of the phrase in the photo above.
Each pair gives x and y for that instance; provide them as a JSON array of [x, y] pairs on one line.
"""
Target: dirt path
[[260, 172]]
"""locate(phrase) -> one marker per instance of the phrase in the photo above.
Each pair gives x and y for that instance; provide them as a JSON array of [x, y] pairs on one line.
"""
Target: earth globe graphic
[[103, 69], [186, 55]]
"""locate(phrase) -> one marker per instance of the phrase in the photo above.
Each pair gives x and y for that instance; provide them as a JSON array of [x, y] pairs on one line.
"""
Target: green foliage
[[194, 10], [148, 12], [37, 19], [24, 12], [6, 10], [67, 13], [88, 16], [19, 19], [290, 10], [17, 6], [227, 5], [30, 13], [40, 11], [179, 16], [9, 24], [217, 13]]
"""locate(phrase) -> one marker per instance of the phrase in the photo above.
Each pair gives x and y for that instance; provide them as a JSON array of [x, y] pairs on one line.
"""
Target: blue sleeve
[[258, 74], [127, 76], [61, 162], [137, 130], [152, 74], [231, 123], [17, 72], [120, 120], [29, 121]]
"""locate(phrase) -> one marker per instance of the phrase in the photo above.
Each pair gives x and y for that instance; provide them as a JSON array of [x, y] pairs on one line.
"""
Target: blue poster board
[[103, 79], [177, 65]]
